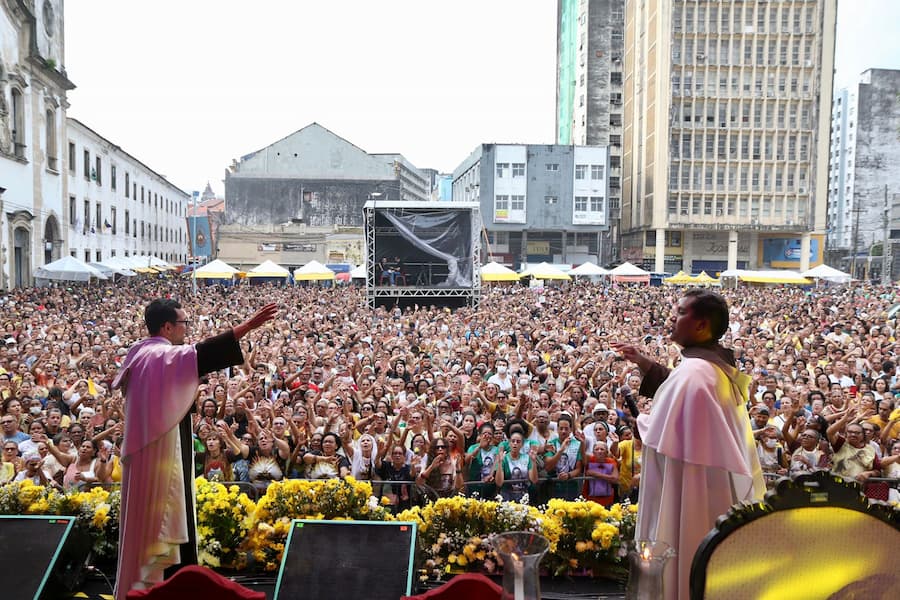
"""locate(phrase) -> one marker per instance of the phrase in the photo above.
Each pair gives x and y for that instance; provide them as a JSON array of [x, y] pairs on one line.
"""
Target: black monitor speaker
[[347, 559], [43, 557]]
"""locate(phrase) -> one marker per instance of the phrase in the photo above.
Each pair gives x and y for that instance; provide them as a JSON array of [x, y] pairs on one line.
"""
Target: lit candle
[[519, 585]]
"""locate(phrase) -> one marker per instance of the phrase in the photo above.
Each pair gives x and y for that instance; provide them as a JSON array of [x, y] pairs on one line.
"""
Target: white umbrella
[[68, 268]]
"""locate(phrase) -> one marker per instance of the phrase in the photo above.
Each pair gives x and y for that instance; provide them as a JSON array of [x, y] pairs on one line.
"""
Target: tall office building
[[864, 169], [725, 140], [589, 60]]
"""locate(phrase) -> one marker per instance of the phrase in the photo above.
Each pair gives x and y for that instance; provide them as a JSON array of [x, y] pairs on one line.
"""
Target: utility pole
[[855, 236], [887, 253]]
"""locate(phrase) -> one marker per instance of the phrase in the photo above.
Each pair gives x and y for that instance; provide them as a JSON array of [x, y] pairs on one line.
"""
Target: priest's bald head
[[165, 318]]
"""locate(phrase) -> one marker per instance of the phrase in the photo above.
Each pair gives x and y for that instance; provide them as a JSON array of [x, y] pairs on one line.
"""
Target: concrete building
[[301, 198], [538, 202], [118, 206], [864, 173], [589, 74], [33, 86], [725, 152]]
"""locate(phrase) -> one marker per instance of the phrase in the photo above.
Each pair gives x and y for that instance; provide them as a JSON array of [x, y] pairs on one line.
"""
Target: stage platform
[[437, 295], [558, 588]]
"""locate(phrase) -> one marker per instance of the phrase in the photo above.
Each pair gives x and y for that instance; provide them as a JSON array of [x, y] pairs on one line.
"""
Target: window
[[87, 216], [87, 256], [72, 157], [127, 223], [72, 210], [596, 172], [112, 176], [517, 202], [51, 140], [18, 123], [501, 167], [501, 202], [87, 164], [580, 171], [596, 203], [112, 217], [99, 255], [551, 200], [142, 194], [553, 166], [98, 175], [581, 203], [518, 169], [100, 225], [134, 228]]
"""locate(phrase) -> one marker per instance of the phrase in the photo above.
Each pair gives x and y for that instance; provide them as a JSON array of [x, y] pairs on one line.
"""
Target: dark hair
[[515, 424], [712, 307], [159, 312], [337, 439]]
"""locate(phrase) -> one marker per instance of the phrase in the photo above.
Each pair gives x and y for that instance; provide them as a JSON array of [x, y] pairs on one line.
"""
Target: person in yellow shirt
[[884, 417], [630, 447]]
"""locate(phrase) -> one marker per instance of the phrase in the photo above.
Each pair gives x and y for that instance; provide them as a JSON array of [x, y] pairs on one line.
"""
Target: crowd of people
[[524, 396]]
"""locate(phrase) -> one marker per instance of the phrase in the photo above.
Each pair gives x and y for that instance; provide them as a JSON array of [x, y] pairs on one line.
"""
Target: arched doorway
[[21, 257], [52, 240]]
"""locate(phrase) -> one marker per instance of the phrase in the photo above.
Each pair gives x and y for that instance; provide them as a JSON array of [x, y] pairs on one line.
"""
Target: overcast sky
[[186, 86]]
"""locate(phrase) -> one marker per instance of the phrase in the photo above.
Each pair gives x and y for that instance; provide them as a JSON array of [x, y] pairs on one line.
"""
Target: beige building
[[726, 133]]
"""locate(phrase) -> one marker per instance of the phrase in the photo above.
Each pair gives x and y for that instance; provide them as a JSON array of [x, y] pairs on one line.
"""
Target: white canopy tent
[[629, 273], [217, 269], [68, 268], [119, 265], [110, 271], [359, 272], [588, 269], [268, 269], [827, 273]]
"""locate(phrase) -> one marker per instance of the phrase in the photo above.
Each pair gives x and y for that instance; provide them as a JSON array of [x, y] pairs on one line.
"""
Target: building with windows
[[301, 199], [725, 139], [538, 202], [589, 76], [33, 87], [118, 206], [864, 177]]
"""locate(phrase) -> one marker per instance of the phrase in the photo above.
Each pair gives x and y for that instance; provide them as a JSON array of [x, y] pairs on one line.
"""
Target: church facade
[[33, 87]]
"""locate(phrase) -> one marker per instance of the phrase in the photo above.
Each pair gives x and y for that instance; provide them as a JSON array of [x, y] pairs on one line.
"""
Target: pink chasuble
[[699, 459], [159, 380]]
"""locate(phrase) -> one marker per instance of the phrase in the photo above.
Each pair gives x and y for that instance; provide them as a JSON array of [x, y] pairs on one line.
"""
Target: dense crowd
[[523, 396]]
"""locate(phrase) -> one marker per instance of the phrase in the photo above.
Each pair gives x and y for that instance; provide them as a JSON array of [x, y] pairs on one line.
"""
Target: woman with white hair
[[365, 457]]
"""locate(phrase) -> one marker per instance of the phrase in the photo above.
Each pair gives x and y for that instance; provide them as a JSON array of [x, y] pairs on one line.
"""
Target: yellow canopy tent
[[494, 271], [679, 278], [704, 279], [545, 271], [313, 271]]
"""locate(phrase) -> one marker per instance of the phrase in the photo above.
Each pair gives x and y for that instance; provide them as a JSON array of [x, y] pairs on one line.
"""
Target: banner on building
[[542, 248], [784, 253], [199, 236]]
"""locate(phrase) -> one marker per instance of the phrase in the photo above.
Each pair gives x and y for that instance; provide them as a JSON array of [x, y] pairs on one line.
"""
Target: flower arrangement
[[455, 534], [592, 536], [224, 516], [301, 499]]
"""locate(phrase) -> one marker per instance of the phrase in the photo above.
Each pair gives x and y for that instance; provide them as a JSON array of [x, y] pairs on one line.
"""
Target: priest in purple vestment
[[159, 377]]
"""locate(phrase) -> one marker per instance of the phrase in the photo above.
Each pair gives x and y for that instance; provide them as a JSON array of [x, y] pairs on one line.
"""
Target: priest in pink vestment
[[159, 377], [699, 455]]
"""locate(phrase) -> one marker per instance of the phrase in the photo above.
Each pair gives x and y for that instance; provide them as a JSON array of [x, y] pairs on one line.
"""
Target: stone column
[[732, 249], [660, 263]]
